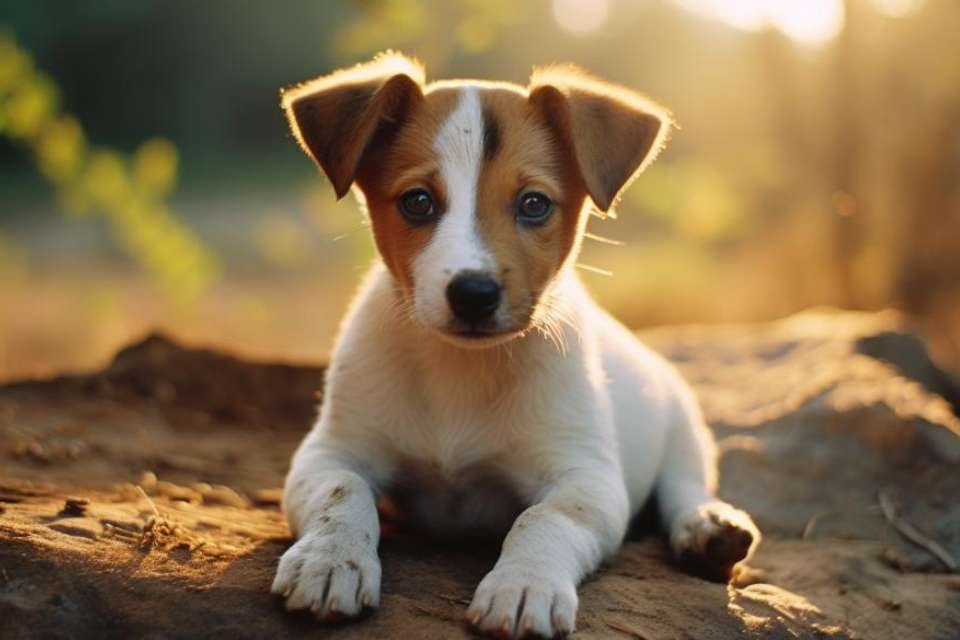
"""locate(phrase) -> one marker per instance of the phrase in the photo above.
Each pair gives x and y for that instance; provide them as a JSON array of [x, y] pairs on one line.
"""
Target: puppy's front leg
[[333, 568], [552, 546]]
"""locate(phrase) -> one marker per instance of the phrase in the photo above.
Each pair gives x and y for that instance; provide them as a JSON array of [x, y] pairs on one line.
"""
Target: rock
[[816, 415], [799, 400]]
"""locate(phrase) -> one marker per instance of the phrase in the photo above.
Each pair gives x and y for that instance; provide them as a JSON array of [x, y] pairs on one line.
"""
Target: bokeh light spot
[[810, 22], [581, 17], [897, 8]]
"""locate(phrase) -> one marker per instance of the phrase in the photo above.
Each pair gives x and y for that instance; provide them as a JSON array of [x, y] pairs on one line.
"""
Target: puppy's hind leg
[[706, 534]]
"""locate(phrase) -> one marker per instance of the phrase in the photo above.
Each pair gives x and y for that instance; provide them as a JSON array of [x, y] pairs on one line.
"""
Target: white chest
[[457, 468]]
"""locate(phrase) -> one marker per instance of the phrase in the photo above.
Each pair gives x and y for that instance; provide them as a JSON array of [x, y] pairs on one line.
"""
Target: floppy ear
[[612, 132], [336, 117]]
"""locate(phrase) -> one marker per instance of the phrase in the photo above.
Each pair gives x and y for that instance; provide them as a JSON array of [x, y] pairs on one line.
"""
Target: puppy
[[474, 381]]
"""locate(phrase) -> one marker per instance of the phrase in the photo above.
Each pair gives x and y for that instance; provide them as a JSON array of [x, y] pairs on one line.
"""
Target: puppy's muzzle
[[473, 297]]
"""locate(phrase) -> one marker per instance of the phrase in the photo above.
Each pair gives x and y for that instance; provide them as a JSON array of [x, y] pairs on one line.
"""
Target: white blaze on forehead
[[459, 145], [456, 244]]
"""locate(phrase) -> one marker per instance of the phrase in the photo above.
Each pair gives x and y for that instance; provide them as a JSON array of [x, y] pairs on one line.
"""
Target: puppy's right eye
[[416, 205]]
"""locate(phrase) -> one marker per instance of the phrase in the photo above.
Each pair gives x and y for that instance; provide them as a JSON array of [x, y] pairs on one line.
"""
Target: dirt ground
[[141, 501]]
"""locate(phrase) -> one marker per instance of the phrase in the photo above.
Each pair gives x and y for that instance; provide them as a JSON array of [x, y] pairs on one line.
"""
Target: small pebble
[[201, 487], [148, 481], [74, 507], [177, 492], [220, 494]]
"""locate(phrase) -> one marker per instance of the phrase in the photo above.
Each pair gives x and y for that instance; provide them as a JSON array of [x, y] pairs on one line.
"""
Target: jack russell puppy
[[474, 381]]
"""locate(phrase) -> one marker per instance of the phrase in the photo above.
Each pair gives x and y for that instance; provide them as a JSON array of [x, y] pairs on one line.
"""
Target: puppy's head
[[477, 192]]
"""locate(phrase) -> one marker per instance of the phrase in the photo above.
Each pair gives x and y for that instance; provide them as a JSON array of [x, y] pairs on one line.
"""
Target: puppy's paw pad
[[336, 577], [715, 535], [518, 602], [729, 544]]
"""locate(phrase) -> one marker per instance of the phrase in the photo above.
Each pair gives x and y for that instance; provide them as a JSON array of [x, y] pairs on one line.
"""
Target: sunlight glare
[[809, 22], [747, 15], [897, 8], [581, 17]]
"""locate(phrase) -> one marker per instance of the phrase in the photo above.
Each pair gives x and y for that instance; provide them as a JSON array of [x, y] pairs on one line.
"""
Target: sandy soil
[[141, 501]]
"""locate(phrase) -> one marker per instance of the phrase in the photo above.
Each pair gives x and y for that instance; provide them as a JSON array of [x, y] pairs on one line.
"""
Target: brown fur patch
[[337, 118], [611, 132], [409, 162], [529, 158]]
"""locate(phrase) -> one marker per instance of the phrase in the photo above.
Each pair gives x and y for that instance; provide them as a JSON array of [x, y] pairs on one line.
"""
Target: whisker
[[549, 320], [403, 308], [603, 239], [587, 267], [560, 312], [347, 234]]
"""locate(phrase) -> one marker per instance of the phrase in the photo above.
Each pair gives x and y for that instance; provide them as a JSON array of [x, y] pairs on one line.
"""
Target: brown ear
[[612, 132], [335, 117]]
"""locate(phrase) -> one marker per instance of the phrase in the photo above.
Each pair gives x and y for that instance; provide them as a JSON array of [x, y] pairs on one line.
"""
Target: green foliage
[[693, 201], [128, 192], [381, 24]]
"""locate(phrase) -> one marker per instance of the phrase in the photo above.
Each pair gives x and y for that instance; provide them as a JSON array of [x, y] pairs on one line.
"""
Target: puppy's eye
[[416, 205], [534, 208]]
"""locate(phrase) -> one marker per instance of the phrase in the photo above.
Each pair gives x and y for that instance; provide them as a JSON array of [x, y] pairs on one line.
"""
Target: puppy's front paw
[[332, 575], [520, 601], [714, 537]]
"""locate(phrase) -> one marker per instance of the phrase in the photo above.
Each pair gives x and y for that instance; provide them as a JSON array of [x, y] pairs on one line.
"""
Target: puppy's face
[[476, 191], [474, 211]]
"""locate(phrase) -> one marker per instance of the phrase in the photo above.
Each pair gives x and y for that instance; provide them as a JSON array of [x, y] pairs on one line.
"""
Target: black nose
[[473, 297]]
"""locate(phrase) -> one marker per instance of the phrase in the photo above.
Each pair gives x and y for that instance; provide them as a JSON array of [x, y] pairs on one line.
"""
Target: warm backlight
[[809, 22]]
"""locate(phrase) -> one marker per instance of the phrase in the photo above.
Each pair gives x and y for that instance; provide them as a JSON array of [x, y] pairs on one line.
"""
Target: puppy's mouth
[[477, 337], [465, 330]]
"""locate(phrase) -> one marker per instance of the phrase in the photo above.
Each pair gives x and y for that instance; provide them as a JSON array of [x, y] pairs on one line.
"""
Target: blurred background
[[147, 178]]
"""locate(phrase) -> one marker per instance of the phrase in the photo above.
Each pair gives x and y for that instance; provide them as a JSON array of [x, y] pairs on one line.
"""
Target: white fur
[[456, 245], [580, 436]]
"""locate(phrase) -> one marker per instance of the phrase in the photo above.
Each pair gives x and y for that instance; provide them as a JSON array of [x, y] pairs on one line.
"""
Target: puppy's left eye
[[416, 205], [534, 208]]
